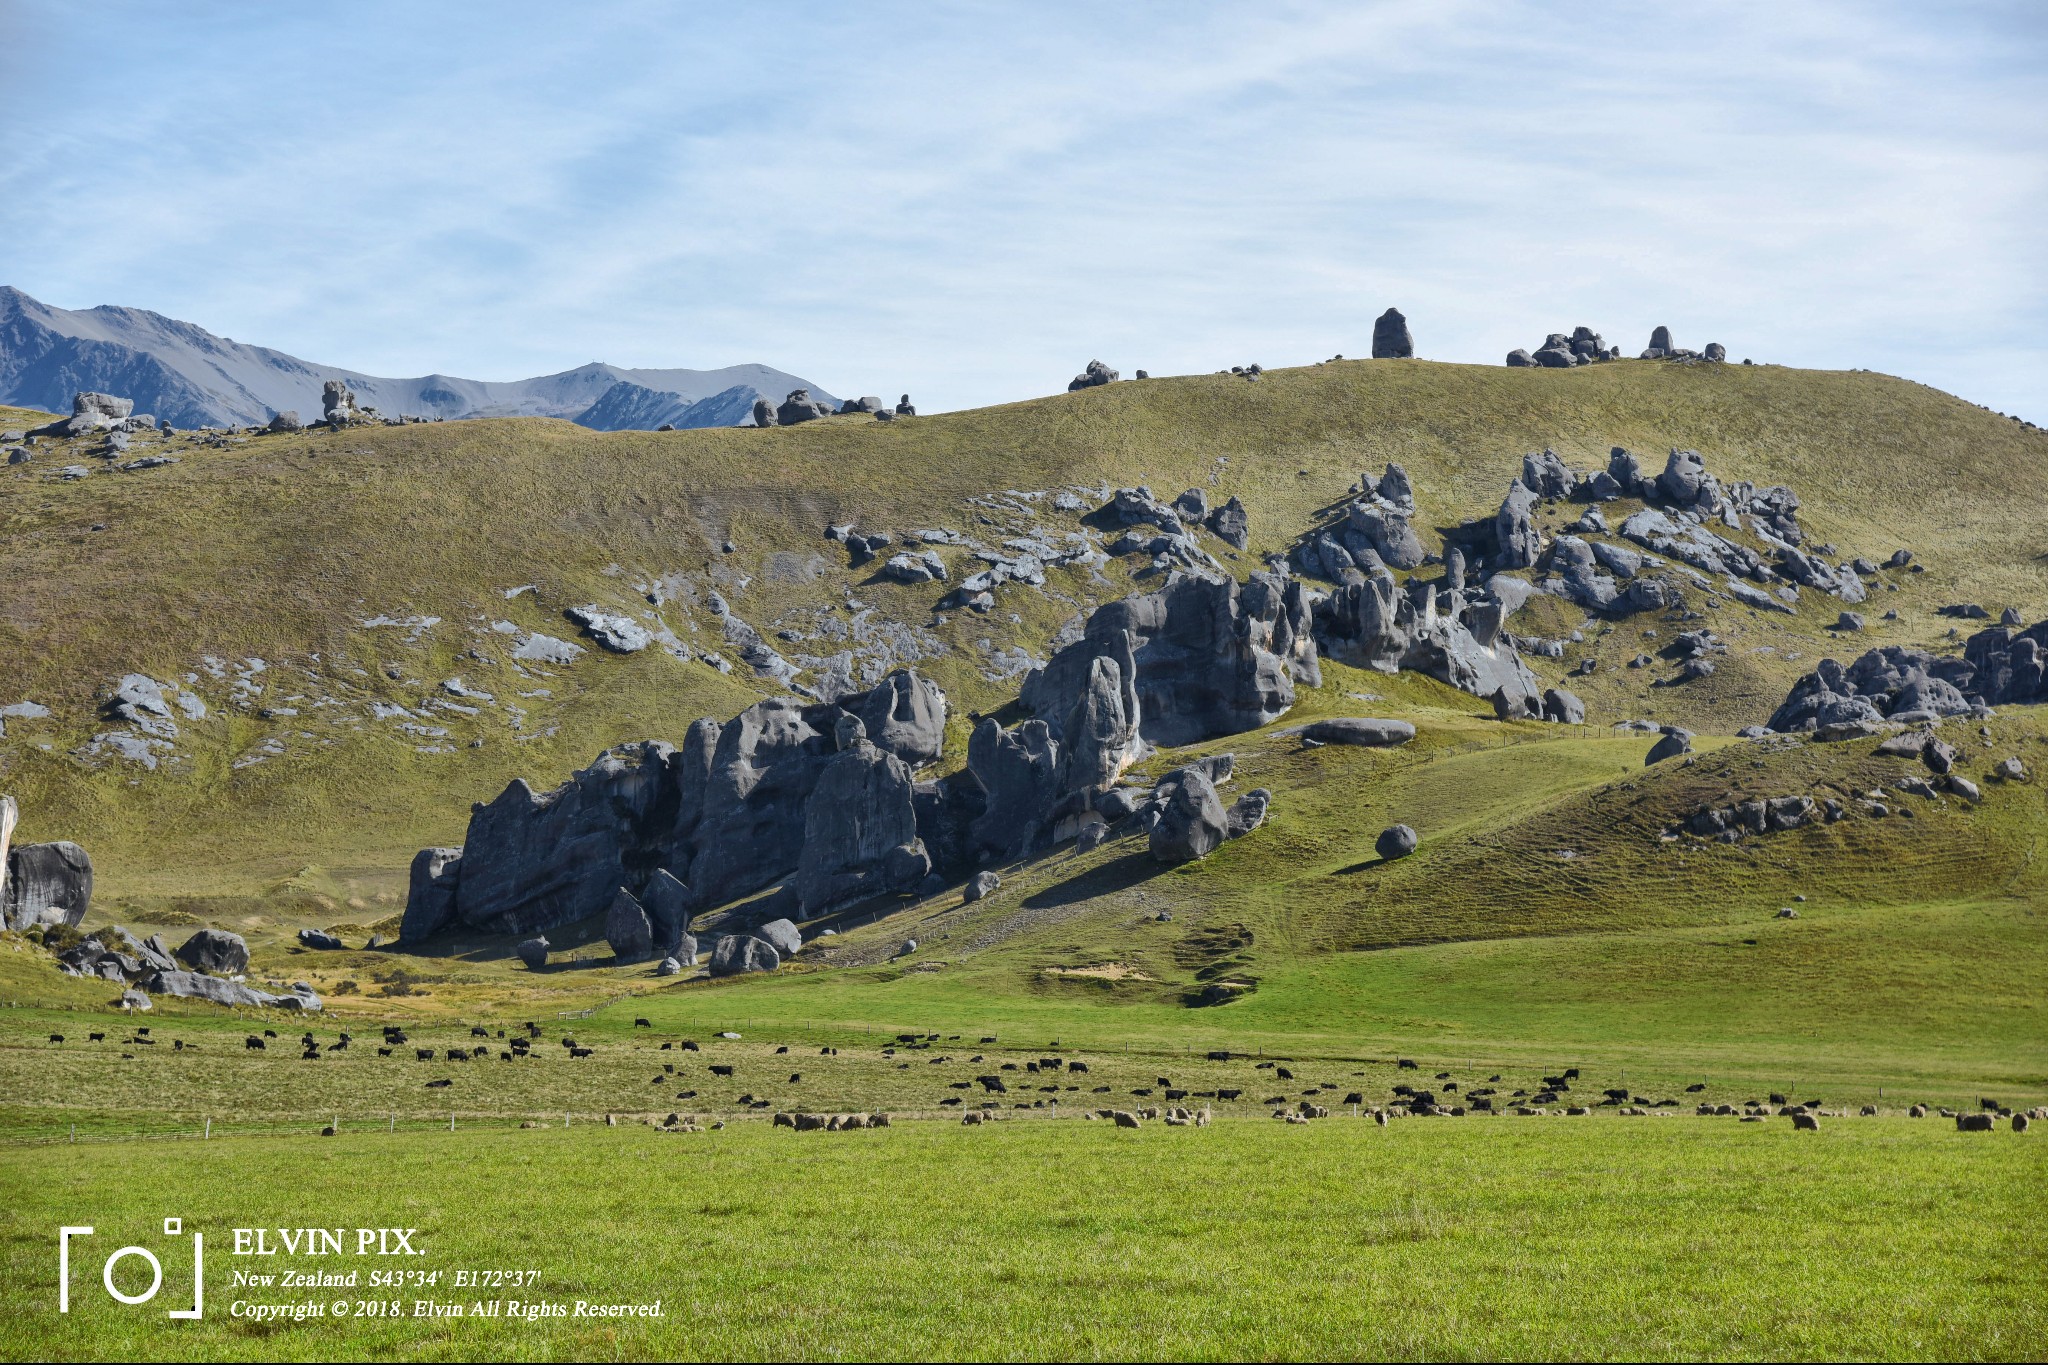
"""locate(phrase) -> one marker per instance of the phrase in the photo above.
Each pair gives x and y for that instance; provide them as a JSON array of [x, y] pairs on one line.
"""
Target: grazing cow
[[1283, 1073], [383, 1052], [667, 1046], [1161, 1081], [479, 1031], [96, 1037], [642, 1023], [439, 1085], [990, 1039], [717, 1070], [1405, 1064], [252, 1043], [504, 1056], [669, 1067], [56, 1037], [1228, 1094], [425, 1054], [1031, 1067], [1354, 1098], [1078, 1068], [993, 1085], [579, 1052], [177, 1044], [795, 1076], [686, 1094], [1695, 1088], [689, 1046]]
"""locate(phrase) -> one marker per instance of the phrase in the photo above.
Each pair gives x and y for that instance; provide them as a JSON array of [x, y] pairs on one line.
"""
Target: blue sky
[[969, 201]]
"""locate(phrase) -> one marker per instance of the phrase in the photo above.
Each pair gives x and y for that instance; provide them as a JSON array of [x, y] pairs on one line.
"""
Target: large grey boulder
[[980, 885], [780, 935], [1387, 532], [90, 412], [430, 895], [1230, 525], [1676, 741], [1095, 375], [1660, 340], [198, 986], [286, 421], [337, 402], [1514, 532], [215, 950], [736, 953], [151, 952], [799, 406], [1246, 813], [1361, 730], [669, 905], [320, 941], [1192, 822], [1396, 841], [618, 633], [905, 715], [1562, 707], [627, 929], [1390, 338], [533, 952], [764, 413], [45, 884]]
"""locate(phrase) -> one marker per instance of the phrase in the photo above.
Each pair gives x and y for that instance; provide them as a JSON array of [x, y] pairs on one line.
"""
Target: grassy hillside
[[278, 547]]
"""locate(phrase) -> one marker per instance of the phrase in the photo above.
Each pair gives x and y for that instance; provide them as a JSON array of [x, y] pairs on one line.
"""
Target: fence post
[[565, 1118], [209, 1129], [74, 1133], [451, 1120]]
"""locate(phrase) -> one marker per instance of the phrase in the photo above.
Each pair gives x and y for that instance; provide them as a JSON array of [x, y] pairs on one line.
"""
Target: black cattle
[[143, 1031], [1354, 1098], [721, 1070], [504, 1056], [252, 1043], [1080, 1068], [993, 1085], [56, 1037], [779, 1051], [1219, 1056], [1176, 1094], [1161, 1080], [689, 1046], [795, 1076], [1228, 1094], [439, 1085], [425, 1054], [990, 1039], [177, 1044], [1007, 1066], [383, 1052], [1283, 1073], [579, 1052], [1695, 1088], [267, 1033], [1263, 1066], [642, 1023], [96, 1037], [1032, 1067], [479, 1031], [666, 1046], [686, 1094], [1404, 1064]]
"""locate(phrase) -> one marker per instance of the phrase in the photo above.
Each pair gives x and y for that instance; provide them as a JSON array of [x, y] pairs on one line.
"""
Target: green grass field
[[1501, 1238]]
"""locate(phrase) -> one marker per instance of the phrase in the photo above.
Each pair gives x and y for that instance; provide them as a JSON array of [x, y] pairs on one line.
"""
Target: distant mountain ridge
[[192, 378]]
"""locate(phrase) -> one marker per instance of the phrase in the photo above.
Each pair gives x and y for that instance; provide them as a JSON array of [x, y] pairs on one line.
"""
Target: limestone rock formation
[[627, 928], [724, 815], [1999, 666], [799, 406], [1362, 730], [215, 950], [1390, 338], [1095, 375], [533, 952], [45, 884], [430, 898]]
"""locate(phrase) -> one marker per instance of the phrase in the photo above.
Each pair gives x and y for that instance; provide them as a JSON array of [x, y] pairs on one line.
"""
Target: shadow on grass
[[1119, 874]]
